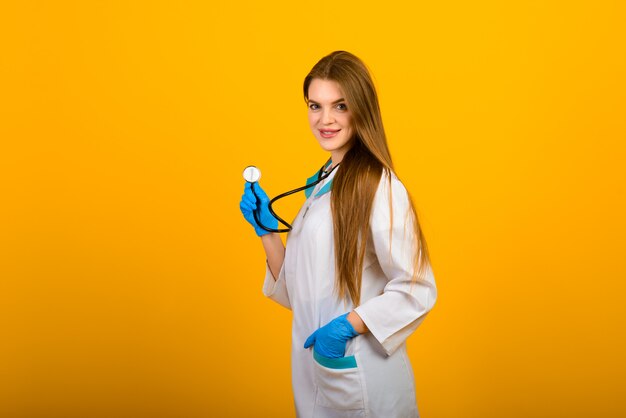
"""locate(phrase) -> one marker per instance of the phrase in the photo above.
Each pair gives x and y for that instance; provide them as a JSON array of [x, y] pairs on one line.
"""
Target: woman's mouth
[[328, 133]]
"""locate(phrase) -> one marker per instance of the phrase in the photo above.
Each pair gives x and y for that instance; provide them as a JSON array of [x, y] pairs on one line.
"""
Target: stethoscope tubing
[[288, 228]]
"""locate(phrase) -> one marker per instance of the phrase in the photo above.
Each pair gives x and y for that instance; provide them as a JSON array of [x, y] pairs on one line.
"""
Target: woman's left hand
[[330, 340]]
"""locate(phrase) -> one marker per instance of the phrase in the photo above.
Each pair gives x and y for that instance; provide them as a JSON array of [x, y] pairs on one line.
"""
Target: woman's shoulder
[[391, 203], [391, 194], [390, 187]]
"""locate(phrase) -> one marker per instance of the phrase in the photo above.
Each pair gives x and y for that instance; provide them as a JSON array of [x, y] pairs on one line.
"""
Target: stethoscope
[[252, 175]]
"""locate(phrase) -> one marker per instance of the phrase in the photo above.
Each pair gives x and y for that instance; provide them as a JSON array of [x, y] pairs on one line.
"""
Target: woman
[[356, 271]]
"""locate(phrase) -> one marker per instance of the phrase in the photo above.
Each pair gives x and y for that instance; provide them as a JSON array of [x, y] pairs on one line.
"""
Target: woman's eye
[[342, 108], [312, 106]]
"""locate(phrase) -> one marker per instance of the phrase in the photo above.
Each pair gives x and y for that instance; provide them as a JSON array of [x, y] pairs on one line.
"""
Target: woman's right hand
[[250, 202]]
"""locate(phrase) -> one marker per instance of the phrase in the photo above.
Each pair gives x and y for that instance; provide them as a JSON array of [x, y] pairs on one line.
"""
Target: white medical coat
[[375, 378]]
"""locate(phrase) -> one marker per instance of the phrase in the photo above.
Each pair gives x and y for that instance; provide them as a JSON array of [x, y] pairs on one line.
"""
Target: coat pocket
[[339, 385]]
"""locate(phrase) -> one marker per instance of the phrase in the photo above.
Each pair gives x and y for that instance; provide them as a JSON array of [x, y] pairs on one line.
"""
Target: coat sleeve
[[392, 316], [276, 289]]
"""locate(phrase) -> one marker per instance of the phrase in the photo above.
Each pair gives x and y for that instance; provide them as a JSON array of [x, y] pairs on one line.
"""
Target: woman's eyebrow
[[336, 101]]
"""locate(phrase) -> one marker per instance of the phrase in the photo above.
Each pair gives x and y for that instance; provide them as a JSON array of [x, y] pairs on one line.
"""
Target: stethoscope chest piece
[[251, 174]]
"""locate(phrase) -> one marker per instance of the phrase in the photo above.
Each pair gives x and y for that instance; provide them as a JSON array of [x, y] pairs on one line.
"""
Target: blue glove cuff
[[260, 231], [350, 331]]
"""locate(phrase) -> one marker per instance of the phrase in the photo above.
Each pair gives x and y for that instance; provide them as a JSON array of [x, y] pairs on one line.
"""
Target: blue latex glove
[[250, 202], [330, 340]]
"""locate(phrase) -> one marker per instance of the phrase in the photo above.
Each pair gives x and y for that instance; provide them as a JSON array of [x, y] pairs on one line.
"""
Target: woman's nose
[[327, 116]]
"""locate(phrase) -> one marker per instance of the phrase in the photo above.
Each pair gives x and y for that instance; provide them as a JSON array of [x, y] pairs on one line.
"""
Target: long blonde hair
[[358, 177]]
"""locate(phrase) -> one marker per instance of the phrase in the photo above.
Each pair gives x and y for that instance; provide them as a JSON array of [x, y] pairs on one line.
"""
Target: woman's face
[[330, 118]]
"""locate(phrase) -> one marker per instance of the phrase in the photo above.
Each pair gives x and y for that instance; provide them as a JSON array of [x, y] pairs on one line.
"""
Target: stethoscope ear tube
[[288, 228]]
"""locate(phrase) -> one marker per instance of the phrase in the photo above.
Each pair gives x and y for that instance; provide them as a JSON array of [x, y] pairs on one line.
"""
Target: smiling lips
[[328, 133]]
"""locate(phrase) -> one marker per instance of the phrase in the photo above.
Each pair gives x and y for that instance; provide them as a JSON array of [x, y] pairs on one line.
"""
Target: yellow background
[[130, 285]]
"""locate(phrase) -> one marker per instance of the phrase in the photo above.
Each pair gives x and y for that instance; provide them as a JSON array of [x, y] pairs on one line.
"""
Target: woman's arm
[[395, 314], [274, 284], [274, 251], [357, 323]]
